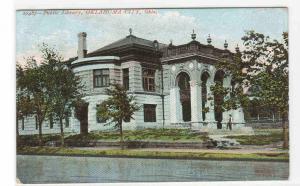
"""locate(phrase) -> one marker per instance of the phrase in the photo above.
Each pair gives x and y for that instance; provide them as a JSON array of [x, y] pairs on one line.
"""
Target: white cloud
[[103, 29], [163, 27]]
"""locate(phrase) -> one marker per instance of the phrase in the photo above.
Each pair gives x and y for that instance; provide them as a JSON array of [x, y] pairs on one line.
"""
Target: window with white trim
[[101, 78], [149, 80]]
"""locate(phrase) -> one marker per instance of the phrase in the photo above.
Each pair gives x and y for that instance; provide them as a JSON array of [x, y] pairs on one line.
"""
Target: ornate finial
[[209, 39], [171, 43], [237, 49], [155, 44], [130, 31], [193, 35], [225, 45]]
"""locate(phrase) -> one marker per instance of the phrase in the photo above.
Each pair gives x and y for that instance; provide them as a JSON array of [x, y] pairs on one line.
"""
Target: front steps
[[219, 141]]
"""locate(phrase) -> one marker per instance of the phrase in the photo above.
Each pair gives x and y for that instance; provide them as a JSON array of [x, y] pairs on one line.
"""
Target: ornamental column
[[196, 104], [175, 106]]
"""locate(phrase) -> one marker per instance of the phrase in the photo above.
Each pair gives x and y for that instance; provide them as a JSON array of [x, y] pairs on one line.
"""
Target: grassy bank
[[164, 135], [261, 137], [152, 154], [146, 135]]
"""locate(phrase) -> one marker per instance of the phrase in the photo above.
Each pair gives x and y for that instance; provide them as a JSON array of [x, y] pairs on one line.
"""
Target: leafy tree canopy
[[118, 107]]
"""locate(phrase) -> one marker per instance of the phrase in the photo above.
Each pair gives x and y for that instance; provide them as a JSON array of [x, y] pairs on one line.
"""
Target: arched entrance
[[183, 82], [218, 98], [204, 78]]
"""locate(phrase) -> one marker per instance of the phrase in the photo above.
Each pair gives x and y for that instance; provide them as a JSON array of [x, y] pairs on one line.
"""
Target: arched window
[[204, 78], [183, 82], [149, 80]]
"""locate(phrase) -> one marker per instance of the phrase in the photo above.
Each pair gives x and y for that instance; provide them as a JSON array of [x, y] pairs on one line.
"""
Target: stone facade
[[179, 94]]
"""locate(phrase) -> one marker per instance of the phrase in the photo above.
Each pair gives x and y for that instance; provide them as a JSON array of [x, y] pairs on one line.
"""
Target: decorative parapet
[[195, 48]]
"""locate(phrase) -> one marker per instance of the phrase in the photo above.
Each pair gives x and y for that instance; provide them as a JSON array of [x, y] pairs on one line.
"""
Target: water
[[63, 169]]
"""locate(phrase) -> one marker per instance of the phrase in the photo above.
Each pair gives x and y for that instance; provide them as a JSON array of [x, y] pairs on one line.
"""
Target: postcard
[[152, 95]]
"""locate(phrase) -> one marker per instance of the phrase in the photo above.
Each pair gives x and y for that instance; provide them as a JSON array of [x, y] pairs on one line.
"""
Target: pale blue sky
[[61, 30]]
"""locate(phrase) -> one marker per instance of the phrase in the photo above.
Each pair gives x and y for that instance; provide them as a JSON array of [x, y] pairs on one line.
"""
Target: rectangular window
[[67, 123], [51, 121], [101, 78], [36, 123], [149, 113], [98, 118], [126, 78], [149, 80], [23, 124]]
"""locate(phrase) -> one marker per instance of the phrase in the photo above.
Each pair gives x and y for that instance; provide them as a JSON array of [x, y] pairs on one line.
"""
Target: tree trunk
[[121, 135], [285, 132], [61, 133], [40, 133]]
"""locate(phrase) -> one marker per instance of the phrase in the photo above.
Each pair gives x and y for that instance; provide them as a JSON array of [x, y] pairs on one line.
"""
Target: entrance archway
[[218, 98], [204, 78], [183, 82]]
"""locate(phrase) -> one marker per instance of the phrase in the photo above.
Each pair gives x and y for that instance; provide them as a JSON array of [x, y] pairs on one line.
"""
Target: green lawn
[[261, 137], [152, 154], [146, 135]]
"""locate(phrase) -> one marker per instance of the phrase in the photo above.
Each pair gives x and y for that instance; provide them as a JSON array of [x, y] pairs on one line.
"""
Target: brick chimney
[[82, 50]]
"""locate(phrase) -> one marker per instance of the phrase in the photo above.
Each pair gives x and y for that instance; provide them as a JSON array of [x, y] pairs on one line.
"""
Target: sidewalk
[[242, 150]]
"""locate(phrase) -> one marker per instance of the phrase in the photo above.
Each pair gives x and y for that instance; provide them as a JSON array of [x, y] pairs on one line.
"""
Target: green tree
[[268, 70], [35, 86], [118, 107], [264, 65], [234, 95], [66, 87], [23, 103], [50, 87]]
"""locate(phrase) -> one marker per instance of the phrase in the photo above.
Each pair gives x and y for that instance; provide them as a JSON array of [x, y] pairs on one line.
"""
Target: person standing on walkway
[[229, 124]]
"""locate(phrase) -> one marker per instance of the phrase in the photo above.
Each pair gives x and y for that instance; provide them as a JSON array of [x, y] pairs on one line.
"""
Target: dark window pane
[[105, 80], [149, 113], [126, 78], [23, 124], [145, 84], [105, 71], [51, 121], [97, 72], [149, 80]]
